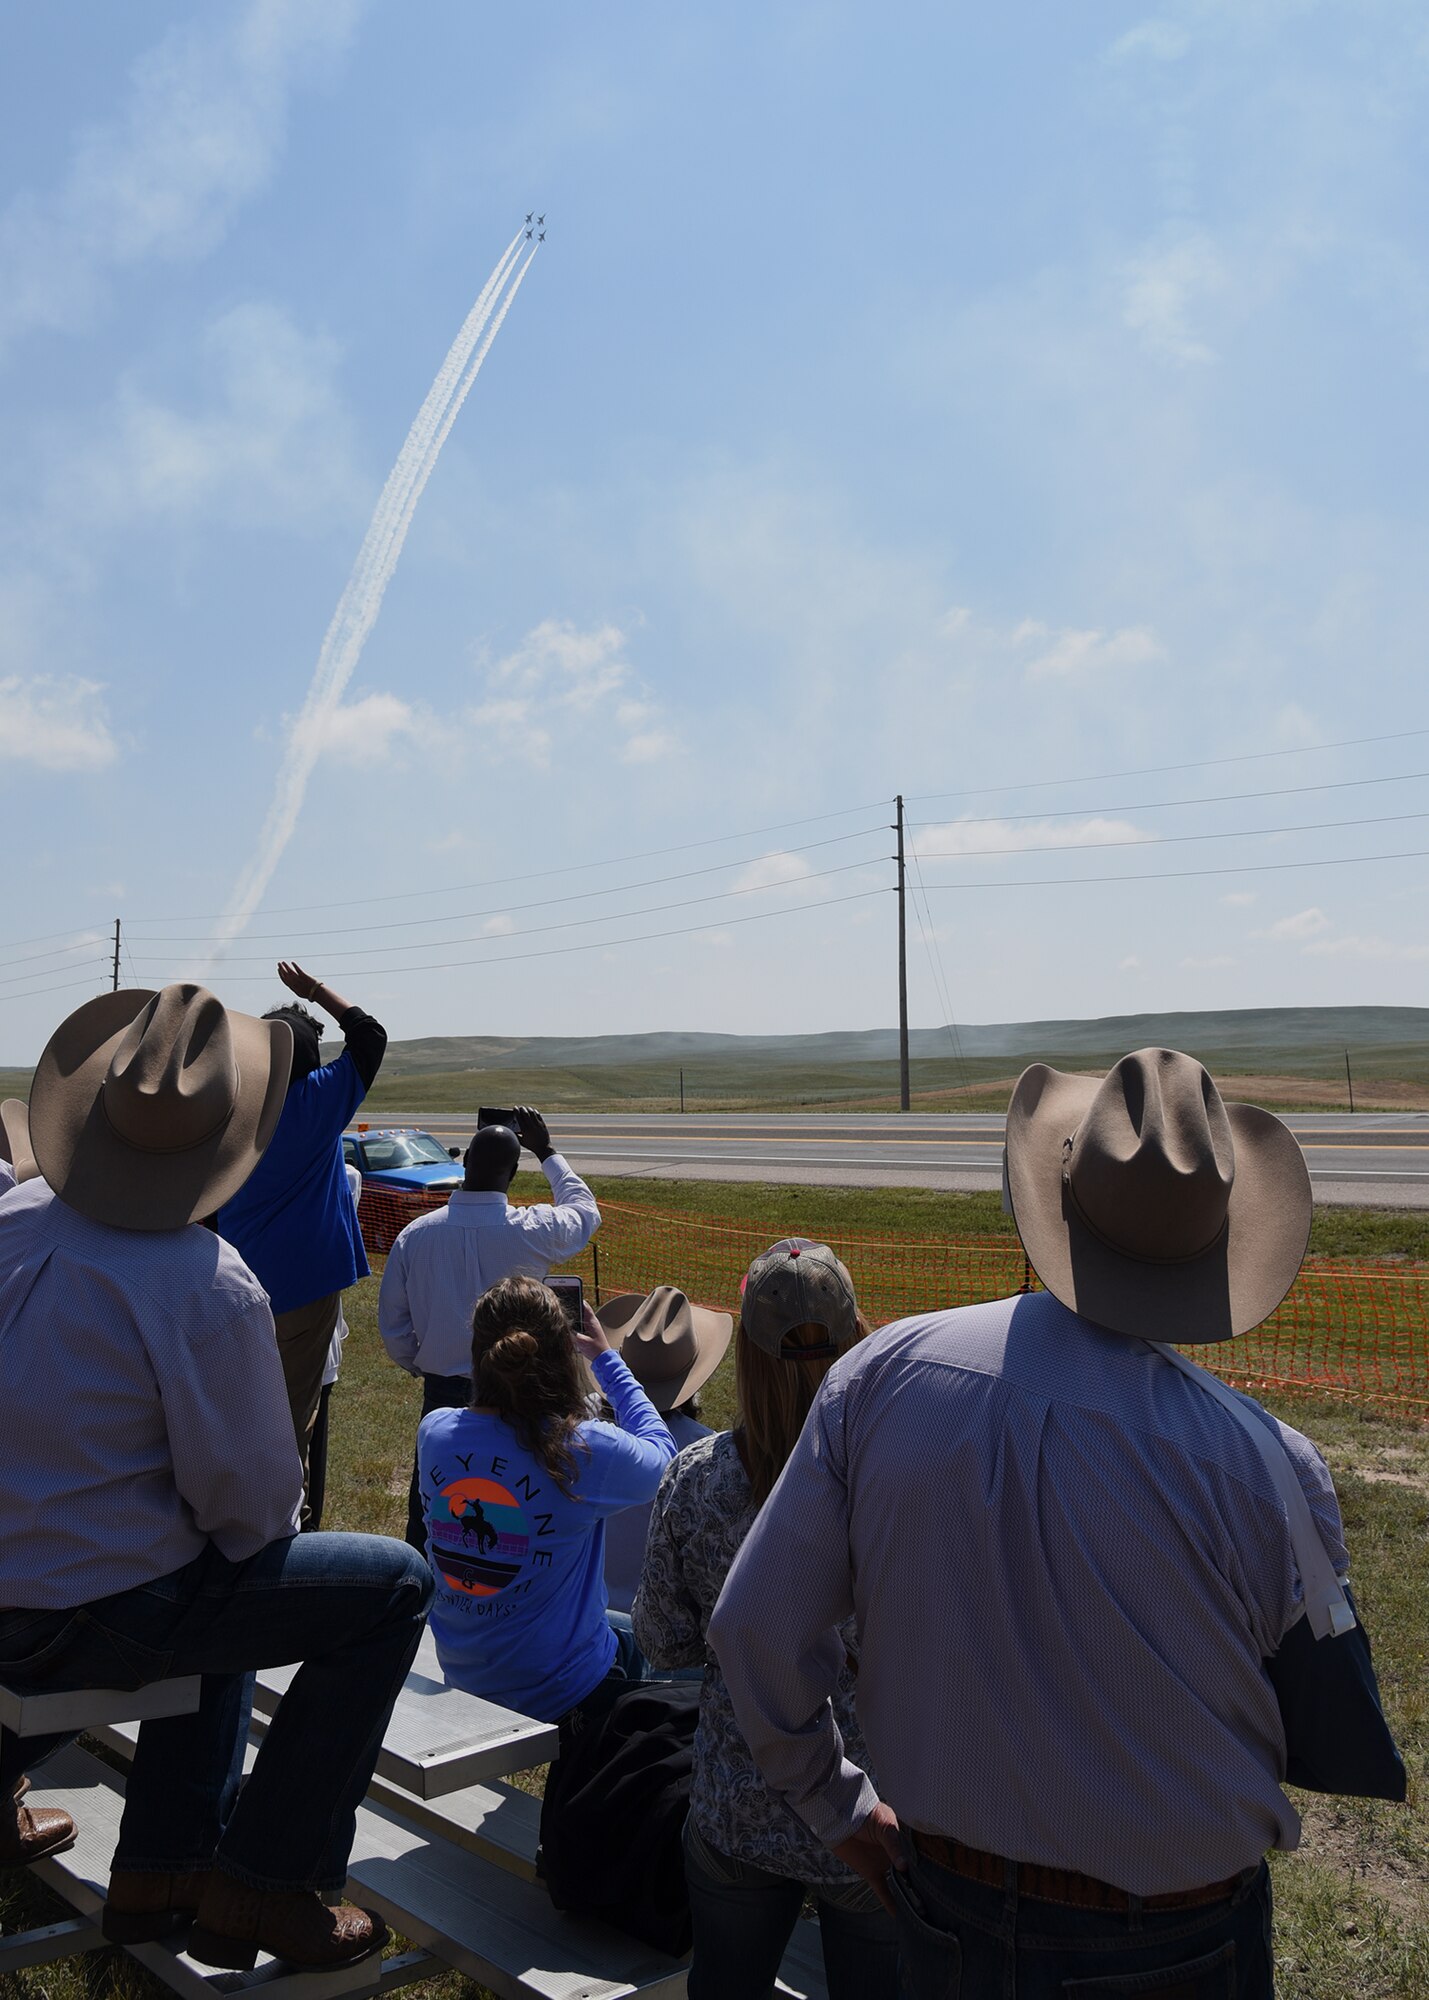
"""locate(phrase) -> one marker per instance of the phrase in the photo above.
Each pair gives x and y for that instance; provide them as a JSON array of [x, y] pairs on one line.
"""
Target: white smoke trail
[[361, 600]]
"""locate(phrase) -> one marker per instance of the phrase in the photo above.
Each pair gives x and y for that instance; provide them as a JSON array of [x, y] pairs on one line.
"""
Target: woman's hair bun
[[512, 1350]]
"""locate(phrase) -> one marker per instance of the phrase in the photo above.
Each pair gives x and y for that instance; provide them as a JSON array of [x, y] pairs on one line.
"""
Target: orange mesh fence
[[1360, 1331]]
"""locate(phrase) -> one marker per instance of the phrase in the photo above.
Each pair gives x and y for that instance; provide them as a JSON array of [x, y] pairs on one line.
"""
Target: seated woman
[[516, 1491], [749, 1859]]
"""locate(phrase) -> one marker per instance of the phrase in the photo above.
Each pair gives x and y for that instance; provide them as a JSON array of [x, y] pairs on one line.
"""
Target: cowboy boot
[[144, 1905], [28, 1834], [236, 1922]]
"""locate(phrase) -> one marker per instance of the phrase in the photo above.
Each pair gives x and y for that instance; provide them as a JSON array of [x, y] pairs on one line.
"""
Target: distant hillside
[[1283, 1057], [1252, 1032]]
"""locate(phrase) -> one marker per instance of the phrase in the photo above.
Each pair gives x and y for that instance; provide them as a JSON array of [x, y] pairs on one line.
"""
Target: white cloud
[[649, 747], [273, 445], [1157, 40], [560, 671], [772, 871], [1394, 950], [959, 837], [58, 724], [1295, 930], [1239, 899], [1131, 963], [199, 133], [1072, 654], [364, 732], [499, 926], [1160, 288], [1212, 964]]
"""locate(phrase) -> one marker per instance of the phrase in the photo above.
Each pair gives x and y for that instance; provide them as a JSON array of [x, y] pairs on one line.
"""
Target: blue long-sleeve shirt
[[519, 1614]]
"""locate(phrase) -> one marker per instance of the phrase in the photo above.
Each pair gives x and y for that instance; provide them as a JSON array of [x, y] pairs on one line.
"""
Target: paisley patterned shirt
[[702, 1513]]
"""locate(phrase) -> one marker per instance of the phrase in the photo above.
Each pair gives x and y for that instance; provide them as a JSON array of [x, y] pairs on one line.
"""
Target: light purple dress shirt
[[142, 1406], [442, 1263], [1067, 1563]]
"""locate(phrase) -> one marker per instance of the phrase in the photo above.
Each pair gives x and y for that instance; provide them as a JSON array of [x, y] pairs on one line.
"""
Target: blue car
[[403, 1173]]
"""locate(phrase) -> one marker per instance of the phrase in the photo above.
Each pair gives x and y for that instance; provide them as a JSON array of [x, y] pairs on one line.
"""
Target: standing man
[[293, 1222], [149, 1494], [442, 1263], [1072, 1570]]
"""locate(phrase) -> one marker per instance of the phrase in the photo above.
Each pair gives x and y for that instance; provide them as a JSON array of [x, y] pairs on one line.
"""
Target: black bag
[[613, 1817], [1336, 1737]]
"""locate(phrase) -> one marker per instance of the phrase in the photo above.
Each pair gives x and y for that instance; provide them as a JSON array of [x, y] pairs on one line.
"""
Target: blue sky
[[945, 399]]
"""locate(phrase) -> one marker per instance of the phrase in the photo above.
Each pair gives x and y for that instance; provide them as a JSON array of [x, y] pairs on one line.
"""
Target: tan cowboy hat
[[149, 1110], [671, 1347], [15, 1138], [1148, 1204]]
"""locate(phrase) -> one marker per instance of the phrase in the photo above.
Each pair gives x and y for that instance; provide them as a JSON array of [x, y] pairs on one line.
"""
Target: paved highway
[[1380, 1159]]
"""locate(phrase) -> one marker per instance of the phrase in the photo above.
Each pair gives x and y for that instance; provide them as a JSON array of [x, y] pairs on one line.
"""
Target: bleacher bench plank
[[80, 1785], [85, 1708], [441, 1740]]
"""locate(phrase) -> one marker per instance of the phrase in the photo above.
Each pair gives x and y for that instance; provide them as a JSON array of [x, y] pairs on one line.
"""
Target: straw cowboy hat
[[149, 1110], [671, 1347], [15, 1138], [1148, 1204]]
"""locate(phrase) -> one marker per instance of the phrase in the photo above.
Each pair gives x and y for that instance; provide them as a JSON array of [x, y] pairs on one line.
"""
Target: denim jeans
[[439, 1392], [744, 1916], [350, 1607], [962, 1940]]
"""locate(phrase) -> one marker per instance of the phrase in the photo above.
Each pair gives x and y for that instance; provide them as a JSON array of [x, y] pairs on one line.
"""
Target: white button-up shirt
[[142, 1407], [442, 1263]]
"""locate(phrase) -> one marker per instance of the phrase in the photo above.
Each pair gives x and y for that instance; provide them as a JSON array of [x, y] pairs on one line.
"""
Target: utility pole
[[1349, 1080], [903, 1097], [115, 987]]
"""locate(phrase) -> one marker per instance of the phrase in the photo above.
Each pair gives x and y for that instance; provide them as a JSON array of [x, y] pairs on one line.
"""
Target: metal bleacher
[[445, 1852]]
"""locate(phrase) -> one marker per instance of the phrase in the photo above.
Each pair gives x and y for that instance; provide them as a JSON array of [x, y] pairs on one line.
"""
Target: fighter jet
[[528, 236], [528, 215], [539, 220], [542, 237]]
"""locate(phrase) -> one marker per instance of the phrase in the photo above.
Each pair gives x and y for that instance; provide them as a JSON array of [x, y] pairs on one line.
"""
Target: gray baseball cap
[[798, 1283]]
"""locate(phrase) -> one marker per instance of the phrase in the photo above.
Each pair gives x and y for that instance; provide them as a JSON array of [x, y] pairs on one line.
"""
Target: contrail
[[362, 595]]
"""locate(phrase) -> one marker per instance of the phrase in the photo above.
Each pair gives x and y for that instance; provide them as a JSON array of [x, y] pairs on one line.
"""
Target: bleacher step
[[440, 1740], [94, 1796]]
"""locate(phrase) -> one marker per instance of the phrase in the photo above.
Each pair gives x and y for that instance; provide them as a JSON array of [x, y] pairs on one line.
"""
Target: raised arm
[[365, 1038]]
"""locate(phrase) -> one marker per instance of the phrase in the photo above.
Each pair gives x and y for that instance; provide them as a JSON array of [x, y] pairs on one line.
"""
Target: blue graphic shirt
[[519, 1614]]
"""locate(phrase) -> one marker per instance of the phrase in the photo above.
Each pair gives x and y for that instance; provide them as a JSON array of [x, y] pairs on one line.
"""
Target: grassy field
[[938, 1084], [1352, 1918]]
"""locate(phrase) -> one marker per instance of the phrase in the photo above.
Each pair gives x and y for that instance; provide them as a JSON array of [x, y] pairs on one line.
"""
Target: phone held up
[[486, 1116], [571, 1293]]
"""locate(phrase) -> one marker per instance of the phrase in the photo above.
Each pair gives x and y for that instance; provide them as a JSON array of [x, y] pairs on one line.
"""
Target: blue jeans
[[439, 1392], [962, 1940], [744, 1916], [350, 1607]]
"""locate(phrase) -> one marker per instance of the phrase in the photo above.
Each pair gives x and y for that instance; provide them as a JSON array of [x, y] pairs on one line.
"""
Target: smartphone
[[571, 1293], [488, 1117]]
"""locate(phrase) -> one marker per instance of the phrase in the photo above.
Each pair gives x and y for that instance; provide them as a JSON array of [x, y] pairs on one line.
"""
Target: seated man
[[442, 1263], [149, 1495]]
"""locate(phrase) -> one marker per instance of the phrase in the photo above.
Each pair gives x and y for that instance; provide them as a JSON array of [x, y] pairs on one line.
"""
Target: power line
[[1184, 874], [35, 991], [940, 978], [567, 924], [17, 978], [533, 875], [1166, 839], [595, 944], [505, 909], [1169, 805], [1158, 770]]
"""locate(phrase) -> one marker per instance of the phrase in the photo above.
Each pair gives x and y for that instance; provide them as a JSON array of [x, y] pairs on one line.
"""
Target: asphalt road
[[1377, 1159]]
